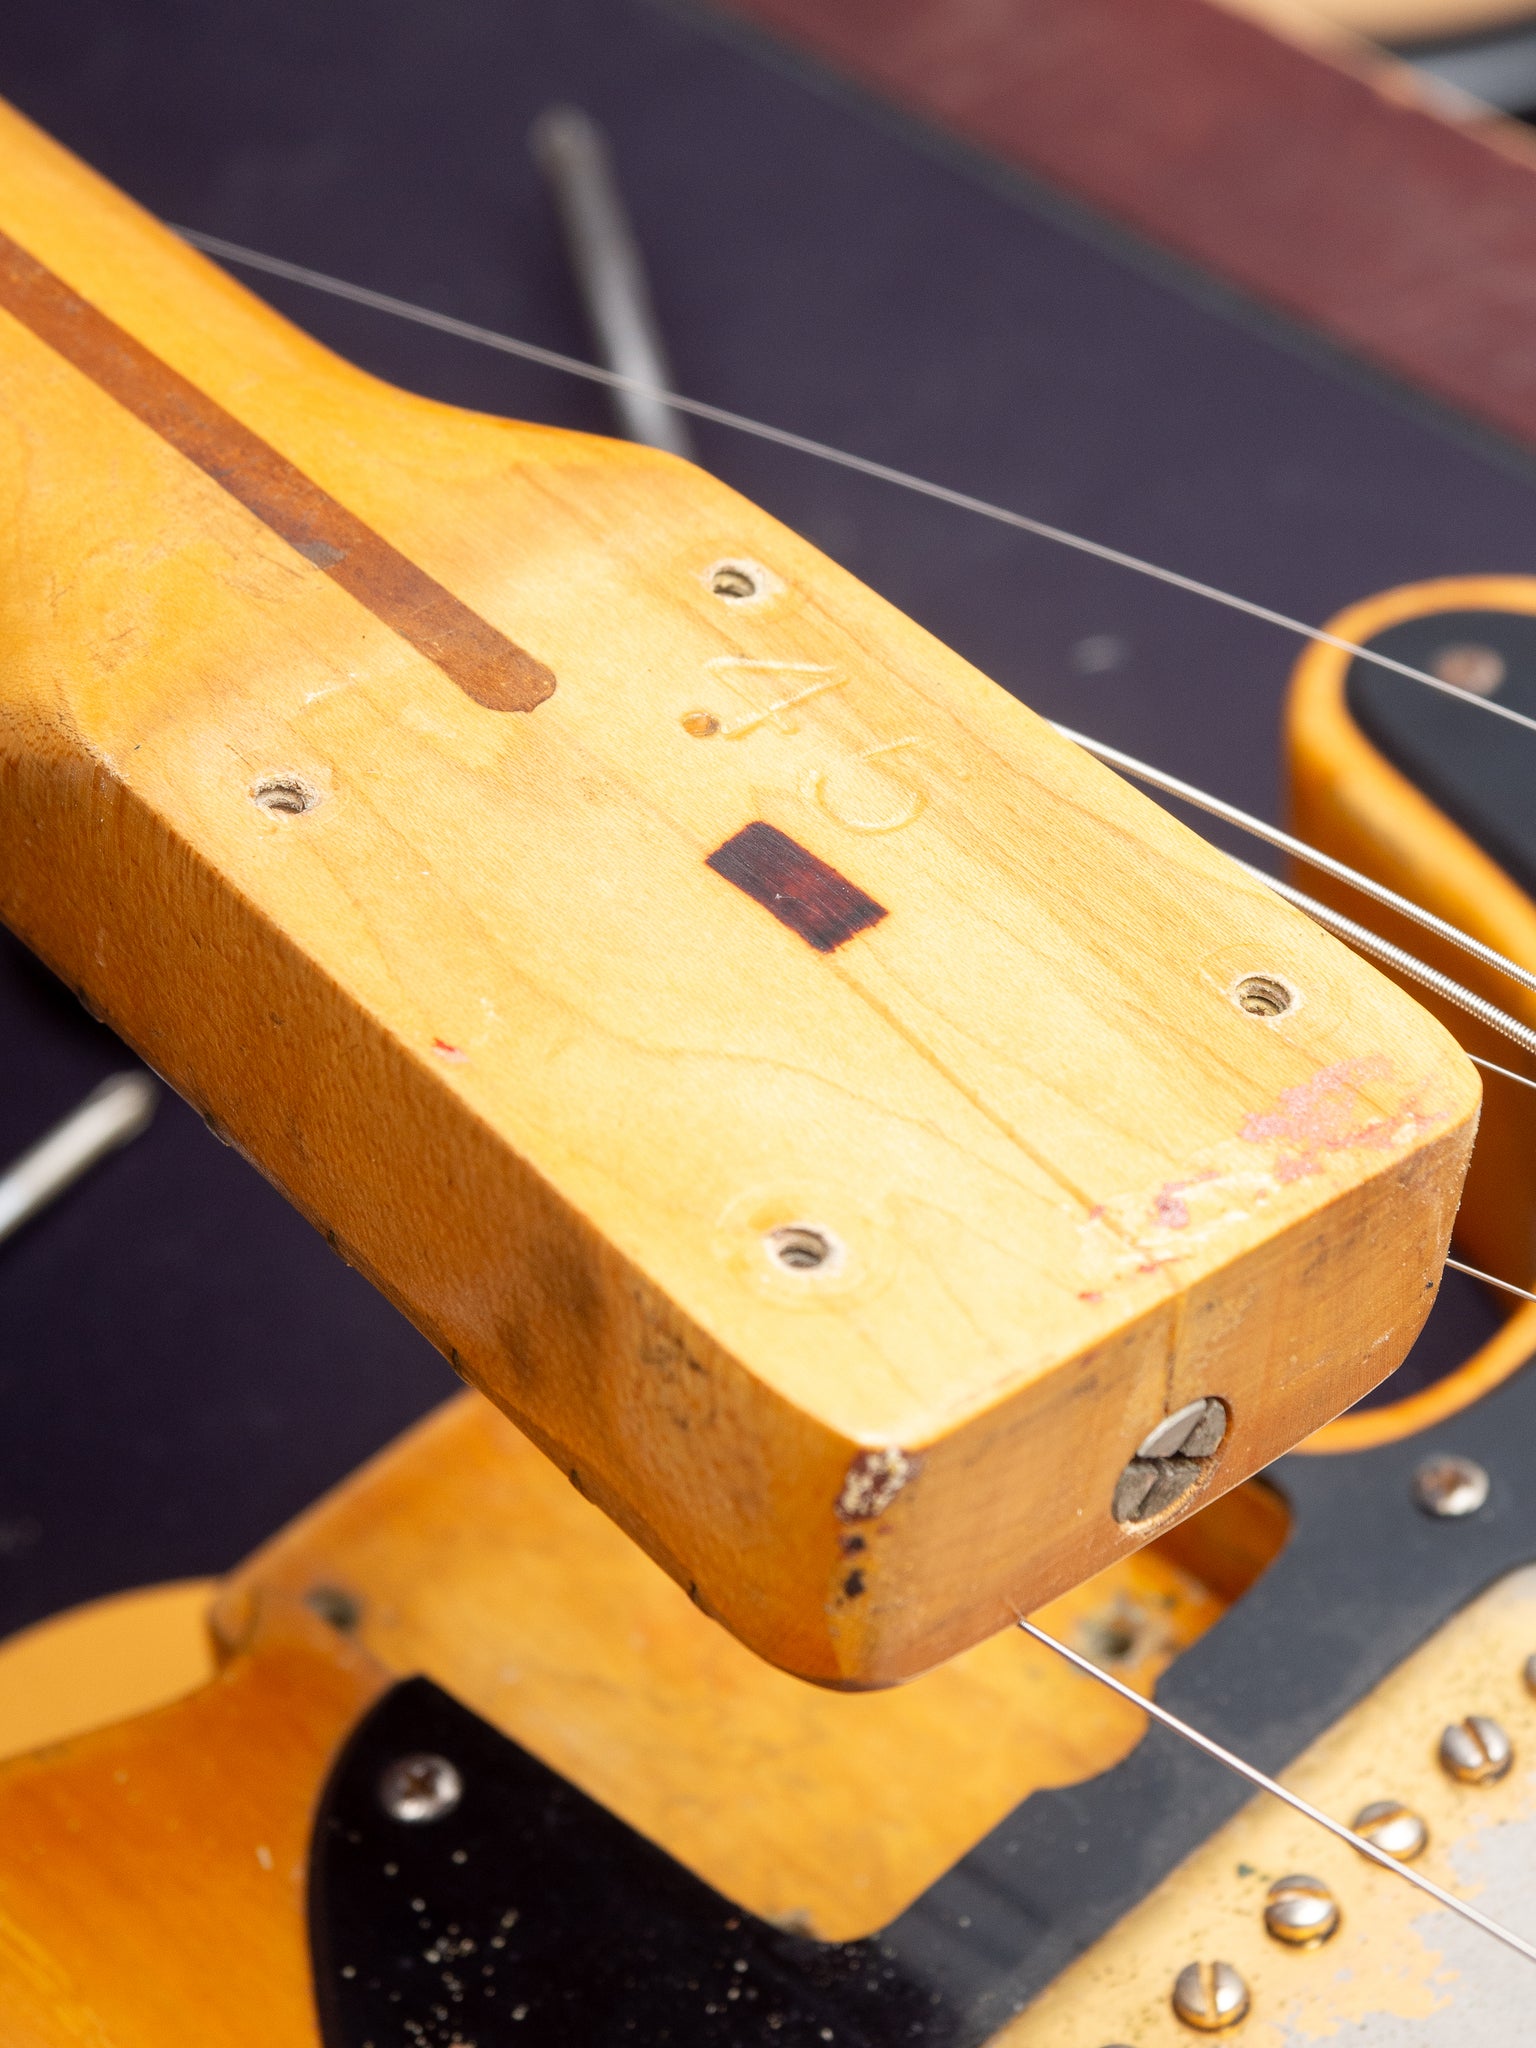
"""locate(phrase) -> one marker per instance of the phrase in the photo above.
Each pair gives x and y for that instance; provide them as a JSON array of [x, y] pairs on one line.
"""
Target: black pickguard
[[615, 1943], [1480, 771]]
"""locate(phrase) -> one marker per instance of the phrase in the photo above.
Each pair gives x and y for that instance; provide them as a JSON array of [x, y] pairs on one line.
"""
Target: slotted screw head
[[1389, 1825], [420, 1788], [1475, 1751], [1209, 1996], [1301, 1911], [1193, 1431], [1170, 1461], [1449, 1487]]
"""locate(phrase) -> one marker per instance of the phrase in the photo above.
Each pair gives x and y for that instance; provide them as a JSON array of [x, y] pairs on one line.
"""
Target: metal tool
[[573, 154], [109, 1116]]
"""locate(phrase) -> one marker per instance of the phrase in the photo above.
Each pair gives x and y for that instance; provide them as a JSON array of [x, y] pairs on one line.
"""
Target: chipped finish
[[1394, 1975], [1028, 1039], [1324, 1115], [872, 1482], [473, 1560]]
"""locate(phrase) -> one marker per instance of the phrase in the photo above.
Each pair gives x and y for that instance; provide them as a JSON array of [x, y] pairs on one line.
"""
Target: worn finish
[[1399, 1969], [476, 1002], [463, 1554], [154, 1871], [483, 662]]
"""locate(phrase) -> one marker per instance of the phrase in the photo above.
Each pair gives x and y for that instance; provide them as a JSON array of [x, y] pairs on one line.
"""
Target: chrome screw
[[1390, 1826], [1209, 1996], [1169, 1461], [1449, 1487], [420, 1788], [1475, 1751], [1301, 1912]]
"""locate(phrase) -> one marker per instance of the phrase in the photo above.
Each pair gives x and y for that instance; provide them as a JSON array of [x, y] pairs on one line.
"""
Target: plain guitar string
[[823, 451], [296, 273], [1488, 1013], [1254, 1776], [1357, 934]]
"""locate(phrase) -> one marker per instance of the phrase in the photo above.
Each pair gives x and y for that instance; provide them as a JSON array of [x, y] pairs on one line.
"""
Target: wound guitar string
[[1343, 927]]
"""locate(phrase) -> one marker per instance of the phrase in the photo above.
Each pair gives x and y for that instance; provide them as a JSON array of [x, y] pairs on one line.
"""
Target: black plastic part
[[1479, 770], [529, 1914], [616, 1943]]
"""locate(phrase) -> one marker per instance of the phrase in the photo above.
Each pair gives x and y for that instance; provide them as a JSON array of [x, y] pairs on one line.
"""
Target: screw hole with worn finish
[[284, 796], [1264, 995], [336, 1606], [737, 582], [803, 1248], [700, 725]]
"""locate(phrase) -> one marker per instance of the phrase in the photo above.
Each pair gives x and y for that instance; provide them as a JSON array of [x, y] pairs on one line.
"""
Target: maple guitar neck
[[839, 1121]]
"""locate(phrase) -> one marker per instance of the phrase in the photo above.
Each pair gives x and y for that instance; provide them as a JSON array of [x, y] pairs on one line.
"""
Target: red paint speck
[[446, 1051]]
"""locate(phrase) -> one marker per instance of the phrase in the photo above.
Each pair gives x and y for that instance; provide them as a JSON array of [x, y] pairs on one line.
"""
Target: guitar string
[[384, 302], [1186, 792], [1294, 1800], [1173, 785], [1407, 963], [822, 451], [552, 359], [1393, 956]]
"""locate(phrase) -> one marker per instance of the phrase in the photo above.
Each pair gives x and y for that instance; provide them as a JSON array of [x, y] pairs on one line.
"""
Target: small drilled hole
[[285, 796], [700, 725], [1264, 995], [801, 1248], [335, 1605], [735, 581]]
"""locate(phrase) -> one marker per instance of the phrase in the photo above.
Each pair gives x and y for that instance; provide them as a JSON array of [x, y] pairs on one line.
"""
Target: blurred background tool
[[573, 154], [109, 1116]]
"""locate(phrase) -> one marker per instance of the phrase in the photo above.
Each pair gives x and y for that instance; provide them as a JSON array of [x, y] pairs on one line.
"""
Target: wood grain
[[463, 1555], [467, 989], [152, 1888]]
